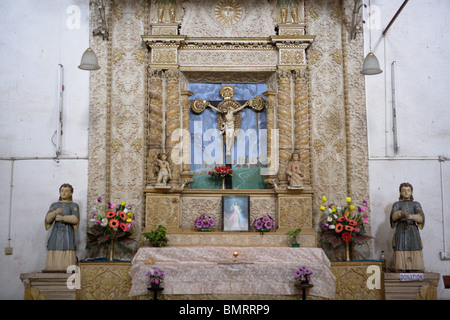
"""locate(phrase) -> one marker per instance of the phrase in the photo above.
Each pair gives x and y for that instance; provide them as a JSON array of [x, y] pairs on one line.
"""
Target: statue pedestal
[[47, 286], [411, 286]]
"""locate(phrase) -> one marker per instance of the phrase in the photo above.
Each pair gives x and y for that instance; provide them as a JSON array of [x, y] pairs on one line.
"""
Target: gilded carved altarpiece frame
[[315, 98]]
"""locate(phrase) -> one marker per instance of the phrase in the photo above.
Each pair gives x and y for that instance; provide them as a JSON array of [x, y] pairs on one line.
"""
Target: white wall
[[37, 36], [418, 43]]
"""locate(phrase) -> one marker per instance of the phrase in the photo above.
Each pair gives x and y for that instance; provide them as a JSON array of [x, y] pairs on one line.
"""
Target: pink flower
[[365, 216], [365, 222]]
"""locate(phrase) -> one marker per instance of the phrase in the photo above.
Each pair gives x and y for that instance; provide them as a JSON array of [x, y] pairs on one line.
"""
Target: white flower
[[125, 210], [104, 222], [331, 226], [329, 219]]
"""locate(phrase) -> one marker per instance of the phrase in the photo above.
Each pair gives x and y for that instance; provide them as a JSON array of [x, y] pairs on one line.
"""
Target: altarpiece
[[231, 44]]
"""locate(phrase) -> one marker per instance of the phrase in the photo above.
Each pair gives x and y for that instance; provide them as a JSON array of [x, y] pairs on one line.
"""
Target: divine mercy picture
[[236, 213]]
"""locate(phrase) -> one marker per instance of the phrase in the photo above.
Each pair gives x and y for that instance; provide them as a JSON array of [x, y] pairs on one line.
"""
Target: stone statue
[[294, 172], [164, 173], [407, 217], [160, 14], [172, 14], [294, 14], [228, 110], [64, 215]]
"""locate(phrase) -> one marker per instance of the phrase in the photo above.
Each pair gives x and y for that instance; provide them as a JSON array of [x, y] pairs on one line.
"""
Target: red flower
[[123, 226], [349, 228], [339, 227], [352, 222], [114, 223], [110, 214], [123, 215], [346, 236]]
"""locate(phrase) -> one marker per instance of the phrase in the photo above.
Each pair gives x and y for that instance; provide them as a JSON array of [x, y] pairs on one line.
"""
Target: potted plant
[[157, 237], [204, 223], [264, 224], [293, 235], [303, 275], [156, 277]]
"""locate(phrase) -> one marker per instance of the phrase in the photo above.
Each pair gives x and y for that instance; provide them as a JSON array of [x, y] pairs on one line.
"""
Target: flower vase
[[111, 249], [304, 281], [347, 251], [154, 285]]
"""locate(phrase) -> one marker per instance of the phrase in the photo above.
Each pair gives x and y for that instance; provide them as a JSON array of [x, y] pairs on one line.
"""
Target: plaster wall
[[35, 37], [416, 44]]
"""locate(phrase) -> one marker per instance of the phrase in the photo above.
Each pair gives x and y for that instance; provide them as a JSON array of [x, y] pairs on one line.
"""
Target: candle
[[235, 254]]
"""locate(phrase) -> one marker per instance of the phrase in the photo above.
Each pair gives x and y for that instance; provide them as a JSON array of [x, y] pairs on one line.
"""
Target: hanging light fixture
[[89, 61], [371, 66]]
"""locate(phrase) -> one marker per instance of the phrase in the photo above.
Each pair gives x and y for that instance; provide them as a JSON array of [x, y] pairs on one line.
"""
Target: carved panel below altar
[[177, 211]]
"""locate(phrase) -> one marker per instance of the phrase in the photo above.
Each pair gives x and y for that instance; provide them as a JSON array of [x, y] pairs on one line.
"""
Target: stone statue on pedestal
[[407, 218], [164, 172], [64, 215], [294, 173]]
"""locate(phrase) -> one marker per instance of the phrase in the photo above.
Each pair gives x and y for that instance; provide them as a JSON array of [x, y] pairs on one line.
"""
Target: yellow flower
[[123, 203], [324, 199], [349, 199], [130, 214], [333, 209], [322, 208], [129, 220], [352, 207]]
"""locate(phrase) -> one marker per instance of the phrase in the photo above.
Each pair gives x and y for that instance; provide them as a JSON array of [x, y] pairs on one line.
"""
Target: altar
[[205, 91], [212, 270]]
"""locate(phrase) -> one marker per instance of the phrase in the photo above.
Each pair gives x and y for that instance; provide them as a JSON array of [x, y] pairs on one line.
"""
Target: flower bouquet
[[344, 224], [111, 222], [204, 223], [264, 224], [220, 173], [156, 277], [303, 274]]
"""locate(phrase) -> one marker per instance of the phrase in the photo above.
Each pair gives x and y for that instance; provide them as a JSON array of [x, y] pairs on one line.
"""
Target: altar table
[[212, 270]]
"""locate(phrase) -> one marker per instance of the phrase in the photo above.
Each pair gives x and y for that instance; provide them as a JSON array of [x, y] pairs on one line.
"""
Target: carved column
[[186, 174], [301, 121], [272, 146], [284, 122], [172, 121], [155, 120]]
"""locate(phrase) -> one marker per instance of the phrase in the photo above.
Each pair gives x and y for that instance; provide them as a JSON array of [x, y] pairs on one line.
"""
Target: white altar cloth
[[211, 270]]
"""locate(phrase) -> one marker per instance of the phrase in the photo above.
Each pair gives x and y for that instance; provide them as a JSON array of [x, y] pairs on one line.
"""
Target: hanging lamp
[[371, 66], [89, 61]]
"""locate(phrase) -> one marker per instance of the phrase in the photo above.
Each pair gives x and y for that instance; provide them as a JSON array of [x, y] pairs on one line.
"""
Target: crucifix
[[228, 114]]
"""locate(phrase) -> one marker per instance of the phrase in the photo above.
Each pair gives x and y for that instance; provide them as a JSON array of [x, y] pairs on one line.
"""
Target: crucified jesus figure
[[228, 118]]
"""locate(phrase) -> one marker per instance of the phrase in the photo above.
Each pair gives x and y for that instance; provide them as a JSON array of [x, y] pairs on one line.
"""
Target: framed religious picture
[[236, 213]]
